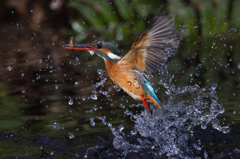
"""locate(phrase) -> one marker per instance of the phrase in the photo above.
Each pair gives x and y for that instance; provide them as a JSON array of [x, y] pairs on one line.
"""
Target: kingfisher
[[152, 50]]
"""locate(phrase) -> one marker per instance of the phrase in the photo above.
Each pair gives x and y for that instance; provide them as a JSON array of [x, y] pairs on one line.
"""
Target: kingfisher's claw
[[144, 102]]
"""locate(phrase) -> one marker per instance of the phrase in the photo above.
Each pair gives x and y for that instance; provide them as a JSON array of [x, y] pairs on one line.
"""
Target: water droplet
[[22, 74], [9, 68], [31, 10], [214, 86], [71, 136], [77, 59], [53, 43], [226, 129], [92, 121], [56, 86], [76, 84], [40, 60], [197, 147], [94, 96], [238, 65], [52, 153], [89, 111], [55, 125], [99, 71], [94, 36], [70, 102]]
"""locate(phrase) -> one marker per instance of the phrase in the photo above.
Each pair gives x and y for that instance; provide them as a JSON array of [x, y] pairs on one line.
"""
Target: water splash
[[167, 132]]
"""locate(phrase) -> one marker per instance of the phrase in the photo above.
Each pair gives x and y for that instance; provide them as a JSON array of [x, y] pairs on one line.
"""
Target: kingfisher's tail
[[152, 96], [153, 99]]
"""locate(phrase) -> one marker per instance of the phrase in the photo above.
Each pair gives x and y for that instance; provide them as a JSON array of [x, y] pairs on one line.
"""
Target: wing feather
[[154, 48]]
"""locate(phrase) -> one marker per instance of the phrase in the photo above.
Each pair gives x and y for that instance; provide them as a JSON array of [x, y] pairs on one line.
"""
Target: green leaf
[[125, 9], [89, 13], [106, 9]]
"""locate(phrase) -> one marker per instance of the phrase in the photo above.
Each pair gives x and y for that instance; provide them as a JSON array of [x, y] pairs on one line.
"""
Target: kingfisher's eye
[[99, 45]]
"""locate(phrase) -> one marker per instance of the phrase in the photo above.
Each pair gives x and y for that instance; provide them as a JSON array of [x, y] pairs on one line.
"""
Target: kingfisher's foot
[[144, 102]]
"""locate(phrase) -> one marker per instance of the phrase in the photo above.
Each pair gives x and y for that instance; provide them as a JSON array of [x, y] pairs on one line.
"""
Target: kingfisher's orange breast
[[125, 79], [120, 73]]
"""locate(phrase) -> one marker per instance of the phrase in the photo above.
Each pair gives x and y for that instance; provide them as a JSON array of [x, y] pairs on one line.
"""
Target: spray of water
[[167, 132]]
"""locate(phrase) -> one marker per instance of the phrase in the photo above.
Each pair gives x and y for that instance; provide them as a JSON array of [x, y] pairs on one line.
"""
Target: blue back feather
[[146, 85], [148, 88]]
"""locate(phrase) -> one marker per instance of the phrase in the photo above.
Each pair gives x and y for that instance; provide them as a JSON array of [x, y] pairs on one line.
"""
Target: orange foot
[[144, 102]]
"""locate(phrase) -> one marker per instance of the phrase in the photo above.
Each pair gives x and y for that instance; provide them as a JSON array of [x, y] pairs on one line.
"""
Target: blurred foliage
[[116, 20], [121, 20]]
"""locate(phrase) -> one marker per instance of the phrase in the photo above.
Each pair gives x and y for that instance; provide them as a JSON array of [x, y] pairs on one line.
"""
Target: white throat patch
[[91, 52], [113, 56]]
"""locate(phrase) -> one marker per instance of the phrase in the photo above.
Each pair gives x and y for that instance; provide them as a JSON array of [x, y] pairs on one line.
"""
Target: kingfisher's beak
[[79, 47], [86, 47]]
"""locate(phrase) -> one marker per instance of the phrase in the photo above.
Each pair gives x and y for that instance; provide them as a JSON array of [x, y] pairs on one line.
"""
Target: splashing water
[[170, 128], [167, 132]]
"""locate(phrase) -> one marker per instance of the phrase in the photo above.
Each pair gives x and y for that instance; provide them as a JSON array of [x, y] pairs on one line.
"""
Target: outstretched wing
[[154, 48]]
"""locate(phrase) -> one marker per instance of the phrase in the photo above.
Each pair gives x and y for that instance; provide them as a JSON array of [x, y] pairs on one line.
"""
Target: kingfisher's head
[[103, 49]]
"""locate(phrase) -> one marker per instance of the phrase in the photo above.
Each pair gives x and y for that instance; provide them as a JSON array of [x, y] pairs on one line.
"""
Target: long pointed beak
[[79, 46]]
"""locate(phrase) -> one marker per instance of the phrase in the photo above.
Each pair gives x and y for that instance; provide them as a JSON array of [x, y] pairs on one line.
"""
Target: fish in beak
[[86, 47]]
